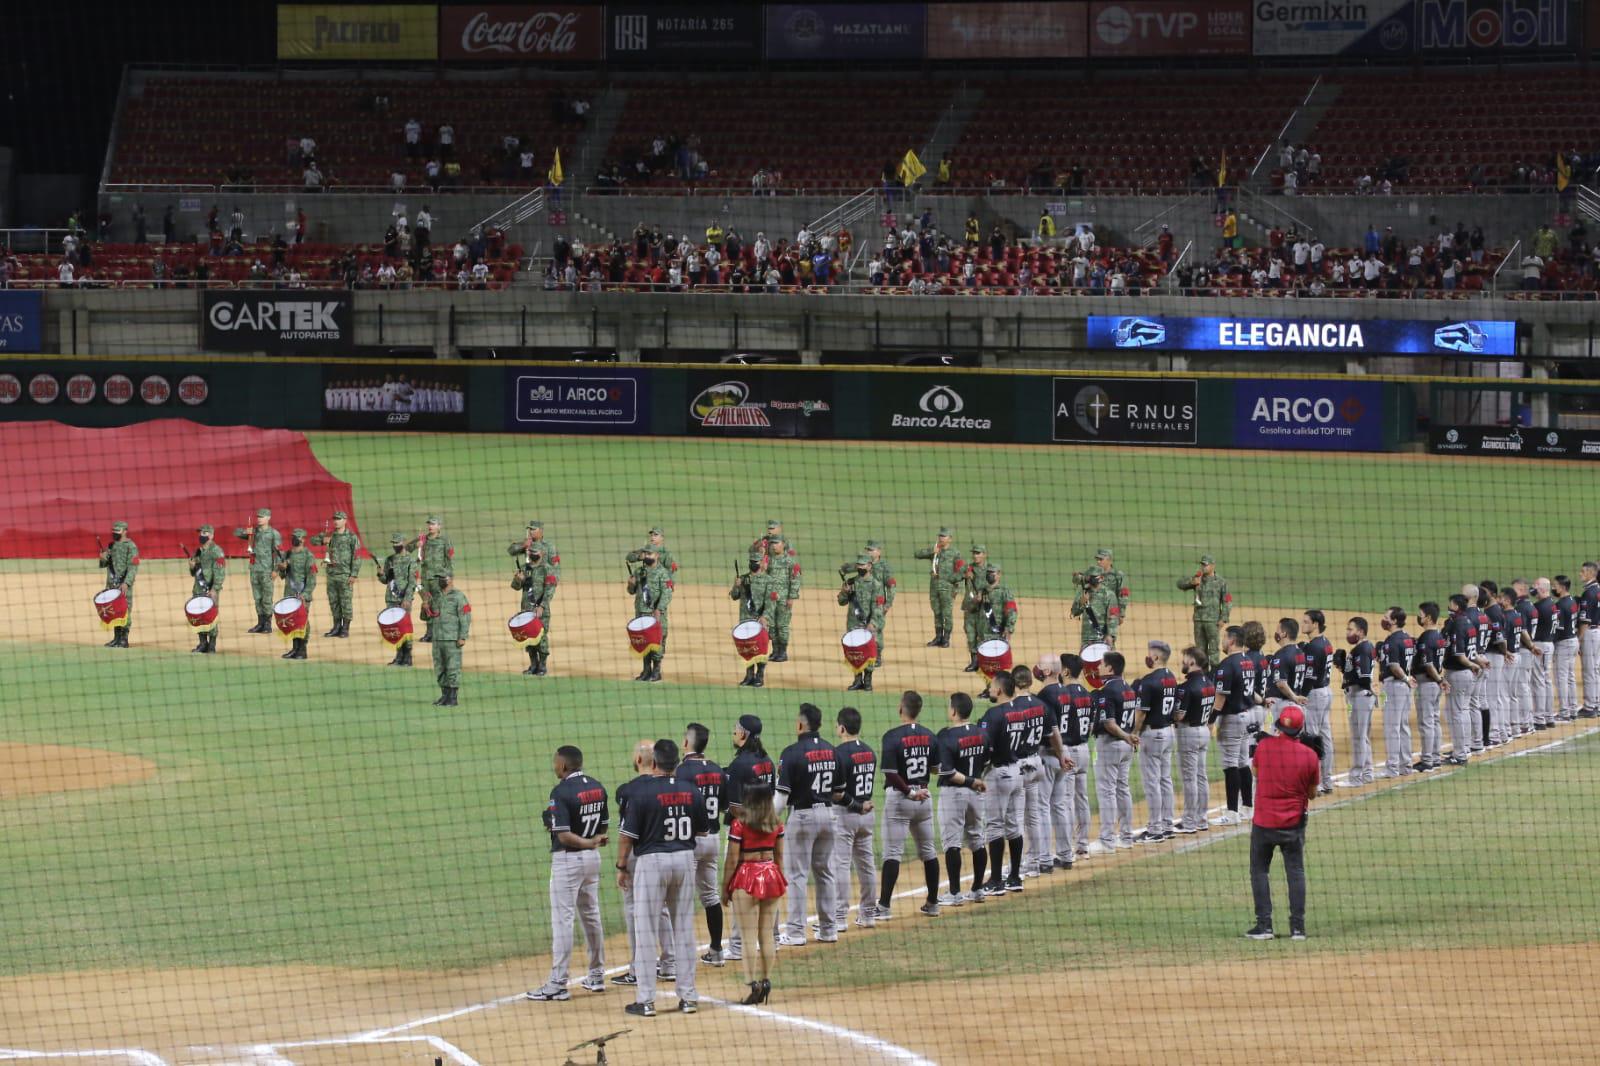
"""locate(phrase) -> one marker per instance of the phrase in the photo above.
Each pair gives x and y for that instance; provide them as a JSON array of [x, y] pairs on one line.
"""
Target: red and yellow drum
[[751, 642], [644, 635], [201, 611], [993, 657], [525, 627], [290, 615], [112, 607], [394, 626], [860, 649], [1093, 656]]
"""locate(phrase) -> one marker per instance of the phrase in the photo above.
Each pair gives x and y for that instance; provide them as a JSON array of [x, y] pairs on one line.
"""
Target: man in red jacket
[[1287, 773]]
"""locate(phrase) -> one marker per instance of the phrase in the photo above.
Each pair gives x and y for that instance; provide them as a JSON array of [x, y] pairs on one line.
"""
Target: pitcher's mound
[[40, 769]]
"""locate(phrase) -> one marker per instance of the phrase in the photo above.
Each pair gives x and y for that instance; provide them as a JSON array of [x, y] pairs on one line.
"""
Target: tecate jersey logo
[[542, 33], [292, 319]]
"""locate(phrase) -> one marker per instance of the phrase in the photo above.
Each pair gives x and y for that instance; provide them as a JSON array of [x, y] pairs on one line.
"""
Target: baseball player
[[666, 966], [577, 817], [853, 818], [1589, 639], [1286, 680], [1158, 698], [1036, 859], [710, 780], [1356, 666], [807, 770], [655, 863], [1234, 699], [1067, 790], [1461, 670], [1319, 690], [908, 805], [1565, 638], [1494, 682], [963, 748], [751, 766], [1004, 808], [1394, 666], [1255, 643], [1544, 653], [1519, 645], [1427, 670], [1116, 708], [1197, 696]]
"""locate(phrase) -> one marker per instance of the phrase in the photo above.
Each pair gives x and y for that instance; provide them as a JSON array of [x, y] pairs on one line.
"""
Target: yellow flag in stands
[[911, 168], [1563, 172], [1222, 169], [556, 177]]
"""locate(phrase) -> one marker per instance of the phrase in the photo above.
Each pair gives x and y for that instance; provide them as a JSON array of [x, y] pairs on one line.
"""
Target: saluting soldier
[[436, 559], [399, 576], [972, 597], [784, 568], [1105, 563], [299, 573], [535, 538], [946, 571], [883, 573], [343, 562], [538, 580], [862, 598], [658, 540], [651, 589], [264, 545], [121, 563], [209, 567], [453, 616], [1212, 606], [998, 614], [757, 592], [1099, 606]]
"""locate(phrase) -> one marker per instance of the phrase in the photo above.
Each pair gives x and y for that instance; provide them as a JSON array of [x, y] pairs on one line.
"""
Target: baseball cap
[[1206, 560], [264, 512], [205, 529], [1103, 553], [1291, 719], [119, 527], [750, 724], [340, 514]]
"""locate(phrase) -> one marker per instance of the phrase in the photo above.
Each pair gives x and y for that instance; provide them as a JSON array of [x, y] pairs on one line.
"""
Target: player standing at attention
[[710, 780], [1494, 681], [1286, 683], [1565, 637], [1356, 666], [577, 817], [908, 805], [1394, 666], [1197, 694], [1041, 733], [1115, 709], [1589, 639], [1158, 704], [1004, 786], [1427, 669], [1235, 684], [1319, 689], [963, 749], [1461, 673], [1067, 790], [853, 818], [807, 770], [666, 966], [1544, 653]]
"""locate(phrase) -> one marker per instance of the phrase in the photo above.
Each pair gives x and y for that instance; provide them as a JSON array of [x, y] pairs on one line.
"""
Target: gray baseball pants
[[1522, 690], [1428, 732], [664, 881], [1233, 740], [1194, 742], [1396, 728], [1460, 713], [1539, 683], [1113, 757], [575, 893], [663, 930], [1155, 770], [1590, 641], [1360, 702], [961, 818], [1566, 677], [852, 847], [1067, 797], [1319, 720], [903, 816], [1003, 804], [808, 854], [1036, 813]]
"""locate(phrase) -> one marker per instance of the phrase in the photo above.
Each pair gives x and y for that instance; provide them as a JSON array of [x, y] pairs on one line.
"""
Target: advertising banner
[[577, 400], [290, 322], [1461, 340], [943, 407], [107, 388], [389, 397], [1169, 28], [845, 31], [500, 33], [1344, 414], [1008, 31], [738, 402], [1334, 27], [1490, 25], [358, 31], [1522, 442], [1104, 410], [701, 33], [21, 321]]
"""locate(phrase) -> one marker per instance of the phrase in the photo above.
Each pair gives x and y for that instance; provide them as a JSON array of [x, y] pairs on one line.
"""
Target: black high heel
[[755, 995], [766, 990]]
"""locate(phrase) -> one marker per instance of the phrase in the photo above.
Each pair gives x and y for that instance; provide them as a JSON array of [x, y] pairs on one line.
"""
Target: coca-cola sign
[[502, 32]]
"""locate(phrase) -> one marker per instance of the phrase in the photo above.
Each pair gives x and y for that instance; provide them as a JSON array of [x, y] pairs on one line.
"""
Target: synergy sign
[[1463, 339]]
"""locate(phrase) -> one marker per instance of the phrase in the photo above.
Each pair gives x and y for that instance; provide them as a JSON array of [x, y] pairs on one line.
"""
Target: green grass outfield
[[329, 819]]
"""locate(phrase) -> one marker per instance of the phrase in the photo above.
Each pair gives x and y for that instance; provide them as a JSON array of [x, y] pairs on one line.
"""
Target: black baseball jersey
[[1529, 616], [807, 772], [577, 805], [1397, 649], [1041, 723], [1516, 624], [908, 755], [1158, 697], [963, 749], [1566, 618], [1074, 710], [1010, 726], [664, 815], [1358, 666], [1263, 663], [709, 778], [1319, 653], [625, 794], [1461, 632], [1116, 702], [1497, 626], [858, 772], [1431, 646], [747, 768], [1544, 621], [1236, 681], [1199, 694], [1485, 625], [1288, 665], [1589, 605]]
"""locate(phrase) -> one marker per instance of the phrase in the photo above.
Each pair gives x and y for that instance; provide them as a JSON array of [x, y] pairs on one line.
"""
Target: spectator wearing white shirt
[[1532, 271], [413, 138], [386, 275], [1451, 271], [875, 271], [763, 250], [460, 253], [1317, 288], [1337, 275], [313, 178], [1318, 249], [1314, 168], [1446, 241], [1291, 183], [65, 272], [447, 141], [525, 166], [480, 274], [773, 278], [803, 238], [397, 181], [1386, 187], [430, 172], [1302, 256], [1372, 271], [308, 150]]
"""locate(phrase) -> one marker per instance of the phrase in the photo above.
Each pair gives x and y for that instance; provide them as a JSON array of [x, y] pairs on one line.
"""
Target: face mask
[[297, 542], [649, 562], [1149, 663], [116, 536], [754, 567], [860, 572], [1351, 638], [1038, 674], [204, 537], [993, 580]]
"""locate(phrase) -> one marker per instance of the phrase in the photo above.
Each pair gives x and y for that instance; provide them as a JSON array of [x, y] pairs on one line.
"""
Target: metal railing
[[1142, 233], [1510, 256], [1587, 202], [1276, 141], [516, 212], [1172, 271], [33, 240], [1250, 202]]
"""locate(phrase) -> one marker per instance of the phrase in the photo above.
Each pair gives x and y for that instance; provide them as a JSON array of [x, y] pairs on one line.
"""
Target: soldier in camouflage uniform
[[1110, 575], [658, 540], [121, 564], [535, 538], [399, 576], [862, 598], [651, 589], [972, 599], [537, 578], [758, 592], [997, 614], [437, 558], [453, 616], [946, 571], [264, 545], [1098, 604], [343, 563], [883, 574], [781, 559], [209, 568], [299, 573], [1212, 606]]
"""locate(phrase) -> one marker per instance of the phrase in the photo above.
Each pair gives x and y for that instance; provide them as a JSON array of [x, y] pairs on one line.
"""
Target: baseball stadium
[[520, 549]]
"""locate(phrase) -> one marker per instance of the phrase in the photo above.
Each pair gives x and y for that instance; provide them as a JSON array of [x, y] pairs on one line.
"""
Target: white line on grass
[[143, 1058]]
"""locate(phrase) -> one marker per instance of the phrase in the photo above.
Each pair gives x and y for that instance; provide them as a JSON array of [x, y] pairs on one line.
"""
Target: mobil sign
[[1169, 27], [1474, 25]]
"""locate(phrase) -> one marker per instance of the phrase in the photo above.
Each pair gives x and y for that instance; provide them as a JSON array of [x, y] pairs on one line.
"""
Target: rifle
[[98, 543]]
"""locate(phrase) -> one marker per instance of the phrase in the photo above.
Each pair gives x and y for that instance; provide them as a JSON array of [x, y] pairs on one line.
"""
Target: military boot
[[749, 677], [544, 663], [972, 664], [761, 675], [533, 661]]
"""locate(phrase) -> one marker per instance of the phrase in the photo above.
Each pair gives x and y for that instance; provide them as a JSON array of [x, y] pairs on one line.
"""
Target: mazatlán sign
[[1462, 339]]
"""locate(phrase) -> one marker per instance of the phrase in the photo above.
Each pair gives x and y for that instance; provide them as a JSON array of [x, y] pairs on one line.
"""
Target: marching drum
[[201, 612], [993, 657], [525, 627], [1093, 655], [644, 635], [751, 641], [290, 615], [394, 625], [860, 649], [112, 607]]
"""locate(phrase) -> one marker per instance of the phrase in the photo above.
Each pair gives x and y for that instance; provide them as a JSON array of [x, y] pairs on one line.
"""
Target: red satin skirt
[[763, 880]]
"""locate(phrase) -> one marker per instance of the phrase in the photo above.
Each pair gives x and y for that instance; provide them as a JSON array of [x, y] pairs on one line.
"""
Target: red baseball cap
[[1292, 719]]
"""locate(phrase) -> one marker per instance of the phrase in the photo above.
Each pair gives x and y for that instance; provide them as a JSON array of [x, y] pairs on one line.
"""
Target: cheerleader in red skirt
[[755, 886]]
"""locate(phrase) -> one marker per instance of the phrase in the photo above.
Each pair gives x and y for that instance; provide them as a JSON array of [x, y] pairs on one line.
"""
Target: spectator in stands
[[1314, 254], [1449, 271], [525, 167], [1532, 271], [452, 173], [762, 249], [1316, 288], [1302, 257], [236, 224], [1230, 230], [447, 141], [1372, 272], [140, 232], [386, 275], [432, 175], [1578, 237], [1544, 242], [1291, 183], [1314, 168], [997, 244], [480, 275], [733, 247], [424, 230], [972, 231], [1391, 245], [759, 182], [65, 272], [169, 226], [945, 171], [1046, 229], [280, 248], [413, 138], [308, 150], [312, 177], [1164, 244]]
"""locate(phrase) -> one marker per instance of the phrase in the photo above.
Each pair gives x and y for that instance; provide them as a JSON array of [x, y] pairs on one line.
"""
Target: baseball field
[[235, 859]]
